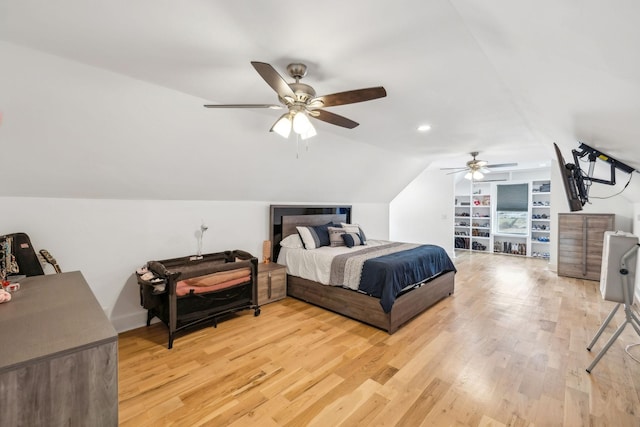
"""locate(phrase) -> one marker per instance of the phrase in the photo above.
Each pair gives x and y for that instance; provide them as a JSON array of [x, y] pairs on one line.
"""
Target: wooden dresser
[[580, 242], [58, 355], [272, 282]]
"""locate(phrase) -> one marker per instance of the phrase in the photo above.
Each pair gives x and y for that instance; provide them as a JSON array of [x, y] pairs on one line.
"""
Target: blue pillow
[[352, 239], [323, 233]]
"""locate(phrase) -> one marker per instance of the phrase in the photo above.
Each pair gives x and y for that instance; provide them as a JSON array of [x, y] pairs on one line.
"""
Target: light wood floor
[[508, 348]]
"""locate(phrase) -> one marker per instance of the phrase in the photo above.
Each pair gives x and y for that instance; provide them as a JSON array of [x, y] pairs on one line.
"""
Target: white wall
[[374, 219], [108, 239], [90, 133], [423, 211]]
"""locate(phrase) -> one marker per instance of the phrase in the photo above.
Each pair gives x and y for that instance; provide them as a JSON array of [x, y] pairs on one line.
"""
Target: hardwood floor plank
[[425, 402], [507, 349], [490, 422], [301, 407], [365, 413], [576, 404], [342, 408], [262, 415]]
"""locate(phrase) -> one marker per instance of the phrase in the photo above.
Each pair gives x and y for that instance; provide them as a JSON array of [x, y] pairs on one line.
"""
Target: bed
[[413, 299]]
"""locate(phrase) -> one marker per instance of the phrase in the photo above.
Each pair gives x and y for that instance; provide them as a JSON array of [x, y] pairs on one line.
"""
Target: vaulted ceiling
[[104, 99]]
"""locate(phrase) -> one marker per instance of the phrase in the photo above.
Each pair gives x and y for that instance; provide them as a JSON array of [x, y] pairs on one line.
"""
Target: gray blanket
[[346, 269]]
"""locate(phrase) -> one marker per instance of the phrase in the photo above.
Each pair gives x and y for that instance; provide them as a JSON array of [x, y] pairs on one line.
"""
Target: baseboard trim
[[130, 321]]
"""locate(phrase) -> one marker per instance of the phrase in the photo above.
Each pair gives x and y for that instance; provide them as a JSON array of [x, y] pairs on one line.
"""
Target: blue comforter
[[386, 276]]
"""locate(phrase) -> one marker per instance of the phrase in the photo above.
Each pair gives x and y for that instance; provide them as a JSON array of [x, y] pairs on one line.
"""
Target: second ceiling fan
[[476, 169], [301, 101]]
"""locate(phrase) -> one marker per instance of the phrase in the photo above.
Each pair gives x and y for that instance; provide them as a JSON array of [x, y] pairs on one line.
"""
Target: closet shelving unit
[[462, 222], [480, 221], [540, 218], [472, 219], [475, 220]]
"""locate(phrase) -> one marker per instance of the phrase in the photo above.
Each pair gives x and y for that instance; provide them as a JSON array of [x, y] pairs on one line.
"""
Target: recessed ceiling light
[[424, 128]]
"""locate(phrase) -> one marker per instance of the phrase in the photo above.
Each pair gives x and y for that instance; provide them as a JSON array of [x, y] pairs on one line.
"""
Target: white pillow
[[291, 241], [350, 228], [335, 236], [309, 237], [354, 228]]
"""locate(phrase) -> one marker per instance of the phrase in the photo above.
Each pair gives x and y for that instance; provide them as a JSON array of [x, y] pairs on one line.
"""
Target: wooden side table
[[272, 282]]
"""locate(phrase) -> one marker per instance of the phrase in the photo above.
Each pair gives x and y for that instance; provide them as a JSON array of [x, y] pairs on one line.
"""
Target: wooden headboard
[[285, 218]]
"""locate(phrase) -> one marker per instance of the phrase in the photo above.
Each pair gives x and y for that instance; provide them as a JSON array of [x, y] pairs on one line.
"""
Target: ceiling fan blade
[[456, 171], [349, 97], [273, 79], [333, 118], [501, 165], [271, 106], [458, 168]]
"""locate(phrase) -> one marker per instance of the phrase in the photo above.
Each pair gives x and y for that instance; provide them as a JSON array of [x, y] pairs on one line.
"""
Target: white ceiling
[[506, 78]]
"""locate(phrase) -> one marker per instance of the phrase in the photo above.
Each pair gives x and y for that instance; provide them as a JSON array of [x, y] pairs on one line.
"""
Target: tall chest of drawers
[[580, 242]]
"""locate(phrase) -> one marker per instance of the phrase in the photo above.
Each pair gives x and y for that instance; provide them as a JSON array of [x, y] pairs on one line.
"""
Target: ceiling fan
[[301, 101], [477, 168]]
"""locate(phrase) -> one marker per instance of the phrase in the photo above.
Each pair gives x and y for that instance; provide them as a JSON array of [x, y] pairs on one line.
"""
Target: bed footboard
[[367, 309]]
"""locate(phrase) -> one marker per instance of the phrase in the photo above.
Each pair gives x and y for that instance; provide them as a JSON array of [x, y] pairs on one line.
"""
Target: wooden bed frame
[[356, 305]]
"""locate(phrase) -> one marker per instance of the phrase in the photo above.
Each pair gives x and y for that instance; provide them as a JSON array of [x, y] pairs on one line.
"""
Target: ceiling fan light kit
[[301, 123], [283, 126], [309, 133], [301, 101], [474, 175]]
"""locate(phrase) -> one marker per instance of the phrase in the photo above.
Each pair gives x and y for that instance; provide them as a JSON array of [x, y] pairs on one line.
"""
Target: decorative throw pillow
[[352, 239], [335, 236], [308, 236], [292, 241], [323, 233], [355, 228], [314, 236]]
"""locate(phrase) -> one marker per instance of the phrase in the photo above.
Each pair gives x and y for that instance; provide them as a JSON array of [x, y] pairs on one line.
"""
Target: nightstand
[[272, 282]]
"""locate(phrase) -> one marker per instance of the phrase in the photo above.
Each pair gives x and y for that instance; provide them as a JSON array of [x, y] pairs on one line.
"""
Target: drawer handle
[[269, 286]]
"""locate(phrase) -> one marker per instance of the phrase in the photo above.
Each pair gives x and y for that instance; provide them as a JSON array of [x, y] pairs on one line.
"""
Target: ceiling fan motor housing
[[304, 93], [476, 164]]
